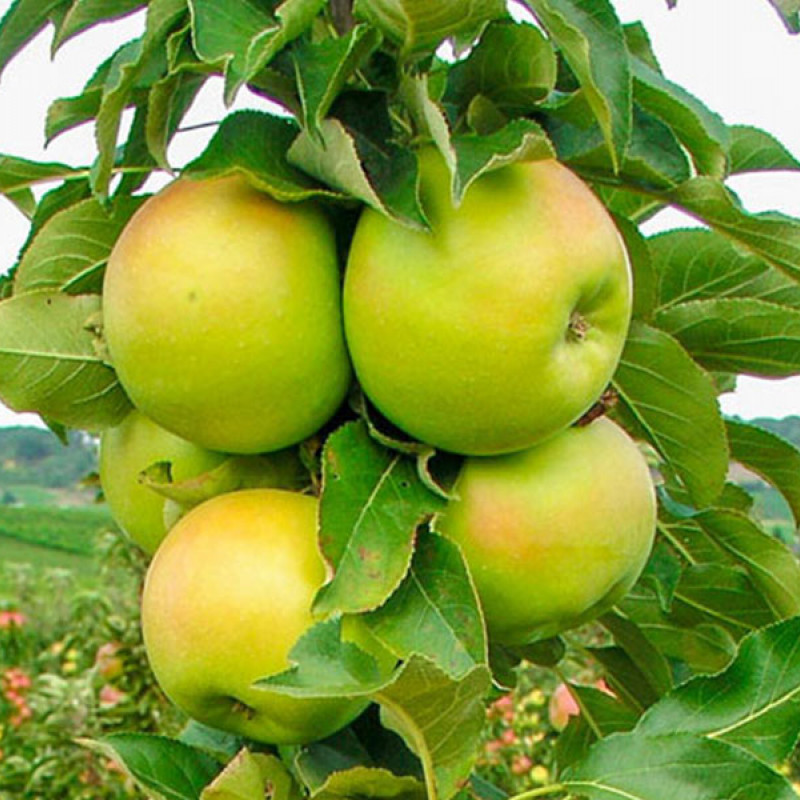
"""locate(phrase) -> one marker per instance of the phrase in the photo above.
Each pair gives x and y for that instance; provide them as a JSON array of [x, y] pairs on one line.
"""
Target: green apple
[[554, 535], [130, 448], [222, 315], [502, 325], [225, 599]]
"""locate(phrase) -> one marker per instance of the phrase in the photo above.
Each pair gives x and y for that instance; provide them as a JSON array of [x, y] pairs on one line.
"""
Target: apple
[[502, 325], [225, 599], [554, 535], [222, 315], [128, 449]]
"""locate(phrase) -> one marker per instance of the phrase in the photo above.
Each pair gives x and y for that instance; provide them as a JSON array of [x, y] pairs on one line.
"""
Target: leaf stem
[[675, 542], [542, 791]]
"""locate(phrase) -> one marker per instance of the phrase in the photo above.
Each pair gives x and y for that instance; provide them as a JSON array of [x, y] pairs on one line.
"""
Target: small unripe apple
[[226, 597], [128, 449], [554, 535], [222, 315], [502, 325]]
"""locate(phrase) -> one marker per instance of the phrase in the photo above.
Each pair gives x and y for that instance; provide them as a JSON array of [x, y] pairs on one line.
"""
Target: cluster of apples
[[487, 336]]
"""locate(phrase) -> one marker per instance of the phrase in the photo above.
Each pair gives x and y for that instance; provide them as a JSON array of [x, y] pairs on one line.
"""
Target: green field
[[74, 530], [47, 538], [15, 552]]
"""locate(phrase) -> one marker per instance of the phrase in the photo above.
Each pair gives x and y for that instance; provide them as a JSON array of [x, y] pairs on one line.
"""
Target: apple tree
[[426, 138]]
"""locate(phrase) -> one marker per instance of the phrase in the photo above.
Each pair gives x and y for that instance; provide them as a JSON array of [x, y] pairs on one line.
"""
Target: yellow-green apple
[[222, 315], [556, 534], [128, 449], [225, 599], [500, 326]]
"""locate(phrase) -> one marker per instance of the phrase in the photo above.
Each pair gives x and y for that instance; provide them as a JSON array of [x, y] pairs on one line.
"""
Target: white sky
[[734, 55]]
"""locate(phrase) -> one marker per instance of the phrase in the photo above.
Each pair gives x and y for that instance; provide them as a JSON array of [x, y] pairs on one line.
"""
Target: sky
[[734, 55]]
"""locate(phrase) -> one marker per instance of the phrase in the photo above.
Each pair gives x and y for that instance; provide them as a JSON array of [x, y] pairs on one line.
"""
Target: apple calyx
[[578, 326]]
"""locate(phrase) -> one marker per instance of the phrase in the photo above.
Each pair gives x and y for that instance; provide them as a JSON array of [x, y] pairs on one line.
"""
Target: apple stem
[[607, 401], [242, 708], [342, 15]]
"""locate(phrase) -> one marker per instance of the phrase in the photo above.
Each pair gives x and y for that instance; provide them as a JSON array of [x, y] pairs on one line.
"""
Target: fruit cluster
[[488, 336]]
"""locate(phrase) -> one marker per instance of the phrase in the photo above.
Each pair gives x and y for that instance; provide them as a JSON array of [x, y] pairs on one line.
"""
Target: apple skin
[[225, 599], [554, 535], [222, 314], [131, 447], [500, 327]]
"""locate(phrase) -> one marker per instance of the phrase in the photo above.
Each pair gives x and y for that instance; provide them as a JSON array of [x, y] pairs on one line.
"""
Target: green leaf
[[640, 650], [754, 703], [221, 745], [520, 140], [242, 37], [365, 743], [439, 718], [772, 567], [252, 776], [468, 156], [170, 97], [324, 665], [369, 782], [24, 200], [735, 496], [512, 65], [419, 25], [372, 502], [323, 69], [630, 683], [640, 767], [639, 44], [654, 156], [281, 469], [23, 20], [294, 18], [771, 236], [255, 144], [789, 11], [702, 132], [754, 150], [17, 174], [644, 274], [601, 715], [698, 264], [50, 361], [144, 62], [673, 404], [354, 152], [591, 40], [223, 33], [772, 457], [726, 595], [66, 113], [741, 335], [70, 250], [434, 612], [163, 767], [84, 14], [662, 572], [420, 702], [682, 633]]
